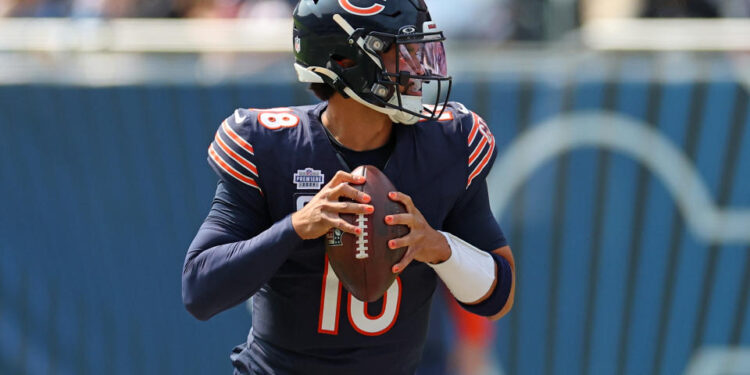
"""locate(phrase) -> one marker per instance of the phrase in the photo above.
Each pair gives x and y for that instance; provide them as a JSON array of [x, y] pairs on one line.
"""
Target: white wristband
[[468, 273]]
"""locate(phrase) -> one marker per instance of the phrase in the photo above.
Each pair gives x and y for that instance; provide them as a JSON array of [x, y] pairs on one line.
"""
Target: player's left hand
[[423, 243]]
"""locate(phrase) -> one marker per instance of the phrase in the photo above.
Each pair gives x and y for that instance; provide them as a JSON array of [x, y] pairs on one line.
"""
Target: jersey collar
[[392, 166]]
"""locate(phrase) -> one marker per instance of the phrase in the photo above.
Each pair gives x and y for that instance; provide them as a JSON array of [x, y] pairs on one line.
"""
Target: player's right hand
[[321, 214]]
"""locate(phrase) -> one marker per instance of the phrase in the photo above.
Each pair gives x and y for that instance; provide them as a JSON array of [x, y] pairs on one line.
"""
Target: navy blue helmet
[[387, 55]]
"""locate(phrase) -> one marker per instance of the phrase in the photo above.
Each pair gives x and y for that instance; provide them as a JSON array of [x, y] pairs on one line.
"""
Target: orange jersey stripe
[[236, 157], [474, 128], [236, 138], [483, 164], [227, 168], [477, 150], [446, 116]]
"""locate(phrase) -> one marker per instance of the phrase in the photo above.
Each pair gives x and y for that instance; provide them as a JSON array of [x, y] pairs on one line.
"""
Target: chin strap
[[313, 74], [413, 103]]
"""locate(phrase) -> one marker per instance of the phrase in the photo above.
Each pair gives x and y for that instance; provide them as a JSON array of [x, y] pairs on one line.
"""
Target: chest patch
[[308, 179]]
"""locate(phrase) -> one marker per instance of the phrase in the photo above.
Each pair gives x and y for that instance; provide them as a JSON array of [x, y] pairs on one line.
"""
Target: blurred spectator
[[88, 8], [475, 336], [596, 9], [479, 19], [681, 8], [528, 16], [265, 9], [458, 342], [593, 9], [735, 8], [34, 8], [147, 8], [206, 8]]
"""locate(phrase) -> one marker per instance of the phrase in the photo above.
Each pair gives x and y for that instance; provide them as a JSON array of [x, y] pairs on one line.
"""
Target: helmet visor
[[420, 63], [415, 65]]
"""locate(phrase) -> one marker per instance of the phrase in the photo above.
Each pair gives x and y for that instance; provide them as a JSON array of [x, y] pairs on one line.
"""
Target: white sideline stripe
[[146, 35], [672, 34], [720, 360], [635, 139]]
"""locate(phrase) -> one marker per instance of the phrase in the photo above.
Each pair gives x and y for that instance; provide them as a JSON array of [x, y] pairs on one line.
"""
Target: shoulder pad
[[232, 153], [479, 140], [448, 114], [458, 121]]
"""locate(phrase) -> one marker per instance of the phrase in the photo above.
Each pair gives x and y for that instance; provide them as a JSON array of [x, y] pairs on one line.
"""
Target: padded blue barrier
[[103, 188]]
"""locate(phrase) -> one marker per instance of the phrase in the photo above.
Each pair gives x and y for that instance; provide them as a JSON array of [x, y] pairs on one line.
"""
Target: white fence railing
[[145, 35], [637, 34], [275, 35]]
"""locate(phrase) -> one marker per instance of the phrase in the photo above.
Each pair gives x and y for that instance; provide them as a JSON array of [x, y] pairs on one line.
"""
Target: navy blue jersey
[[271, 162]]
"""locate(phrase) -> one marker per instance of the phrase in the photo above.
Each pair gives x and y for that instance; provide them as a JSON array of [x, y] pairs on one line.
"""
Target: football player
[[380, 70]]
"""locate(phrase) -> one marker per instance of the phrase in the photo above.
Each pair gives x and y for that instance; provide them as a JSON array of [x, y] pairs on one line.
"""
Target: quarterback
[[379, 69]]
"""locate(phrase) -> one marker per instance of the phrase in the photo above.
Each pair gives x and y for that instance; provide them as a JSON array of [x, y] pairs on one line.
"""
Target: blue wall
[[103, 188]]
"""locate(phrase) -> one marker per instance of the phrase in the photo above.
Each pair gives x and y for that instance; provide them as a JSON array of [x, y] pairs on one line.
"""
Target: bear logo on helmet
[[361, 11]]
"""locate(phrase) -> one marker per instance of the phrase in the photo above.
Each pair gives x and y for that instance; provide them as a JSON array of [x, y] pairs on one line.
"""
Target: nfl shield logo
[[333, 237], [297, 44]]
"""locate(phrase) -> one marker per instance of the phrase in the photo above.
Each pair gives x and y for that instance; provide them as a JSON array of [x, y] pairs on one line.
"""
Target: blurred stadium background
[[623, 181]]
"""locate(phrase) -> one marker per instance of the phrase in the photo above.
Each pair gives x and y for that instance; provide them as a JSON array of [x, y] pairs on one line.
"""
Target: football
[[363, 263]]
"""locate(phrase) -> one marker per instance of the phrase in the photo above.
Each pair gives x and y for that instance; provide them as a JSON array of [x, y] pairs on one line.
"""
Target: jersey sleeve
[[471, 218], [238, 247], [481, 148], [232, 155]]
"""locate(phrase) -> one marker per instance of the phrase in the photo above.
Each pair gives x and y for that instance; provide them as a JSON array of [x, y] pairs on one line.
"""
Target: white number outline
[[328, 316], [277, 118], [328, 319]]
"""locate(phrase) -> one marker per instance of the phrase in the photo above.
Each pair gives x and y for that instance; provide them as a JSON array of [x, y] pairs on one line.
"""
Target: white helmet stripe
[[306, 74], [360, 42]]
